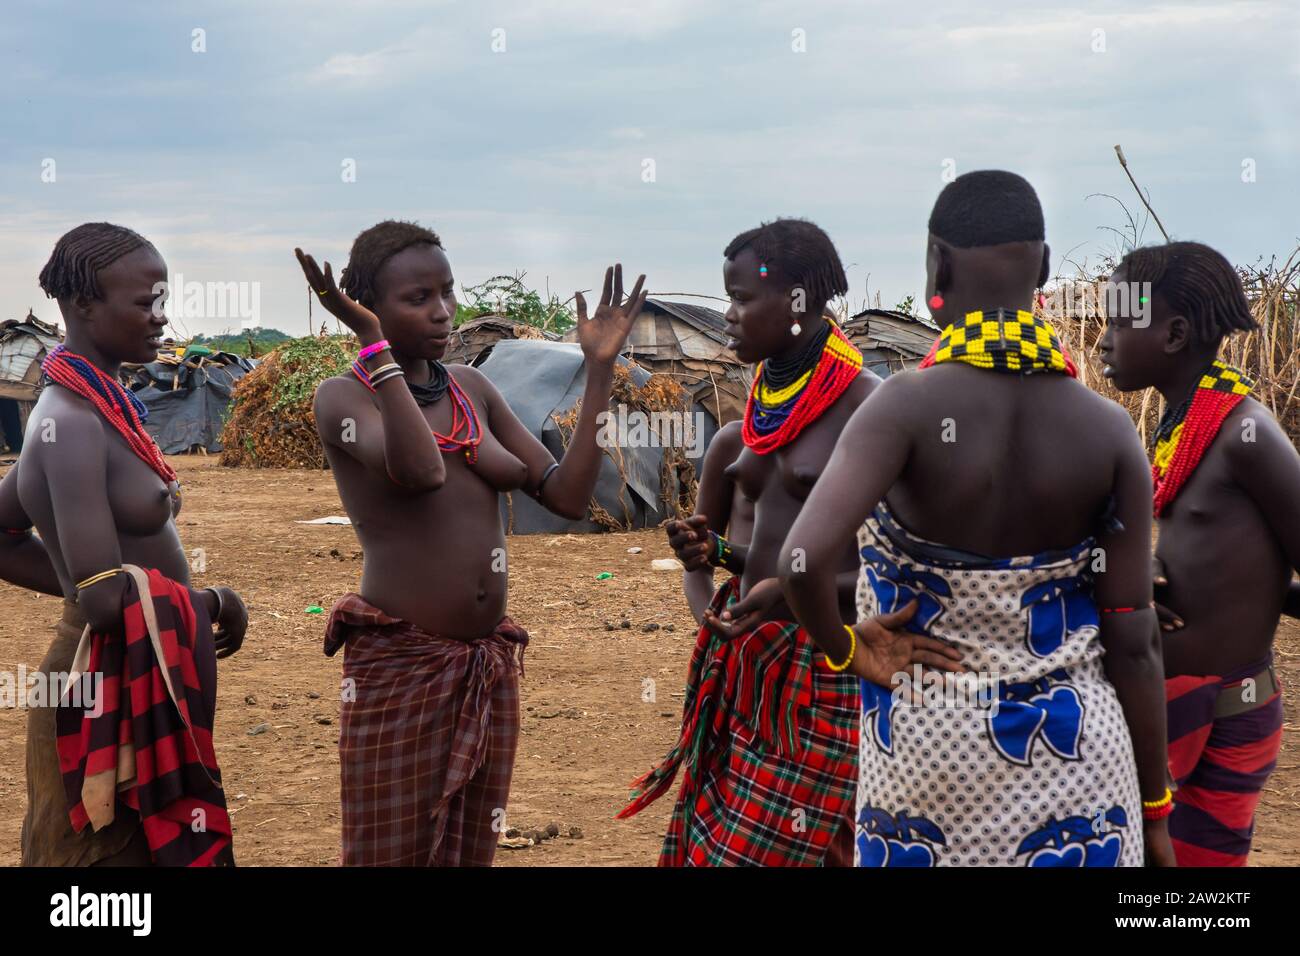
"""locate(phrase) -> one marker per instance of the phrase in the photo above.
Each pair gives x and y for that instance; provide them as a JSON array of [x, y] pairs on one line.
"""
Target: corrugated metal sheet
[[22, 346]]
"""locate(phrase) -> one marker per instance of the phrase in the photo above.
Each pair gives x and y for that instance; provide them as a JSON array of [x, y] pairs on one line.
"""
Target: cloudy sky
[[522, 131]]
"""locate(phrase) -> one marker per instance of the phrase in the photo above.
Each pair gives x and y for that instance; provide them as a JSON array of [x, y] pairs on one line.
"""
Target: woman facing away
[[104, 501], [1004, 508], [421, 451]]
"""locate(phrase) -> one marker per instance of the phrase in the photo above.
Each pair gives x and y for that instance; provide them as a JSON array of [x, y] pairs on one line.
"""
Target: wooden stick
[[1123, 162]]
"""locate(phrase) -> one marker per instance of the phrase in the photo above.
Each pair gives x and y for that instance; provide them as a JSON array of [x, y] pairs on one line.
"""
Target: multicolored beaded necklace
[[1185, 432], [466, 434], [1002, 340], [118, 405], [787, 396]]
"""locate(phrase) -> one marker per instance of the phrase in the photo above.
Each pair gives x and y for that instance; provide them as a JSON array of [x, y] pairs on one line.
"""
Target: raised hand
[[885, 648], [348, 311], [690, 541], [603, 335]]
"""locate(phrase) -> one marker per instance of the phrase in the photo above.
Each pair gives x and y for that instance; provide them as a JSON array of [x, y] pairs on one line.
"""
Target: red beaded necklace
[[466, 434], [1185, 433], [775, 416], [120, 408]]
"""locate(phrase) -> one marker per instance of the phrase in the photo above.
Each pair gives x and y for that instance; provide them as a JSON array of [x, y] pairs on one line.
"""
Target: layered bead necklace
[[790, 393], [1185, 432], [119, 406], [466, 433]]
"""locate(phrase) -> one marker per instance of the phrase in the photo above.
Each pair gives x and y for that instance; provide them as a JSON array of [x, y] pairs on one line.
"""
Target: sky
[[552, 138]]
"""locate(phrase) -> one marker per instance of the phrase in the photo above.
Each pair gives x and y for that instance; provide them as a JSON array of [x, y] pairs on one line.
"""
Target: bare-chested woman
[[101, 497], [769, 731], [421, 452]]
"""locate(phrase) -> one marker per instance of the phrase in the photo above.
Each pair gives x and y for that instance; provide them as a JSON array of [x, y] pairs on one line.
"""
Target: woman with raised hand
[[421, 451], [104, 501]]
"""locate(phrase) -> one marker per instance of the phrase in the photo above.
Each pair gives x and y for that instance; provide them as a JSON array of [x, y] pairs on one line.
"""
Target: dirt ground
[[587, 729]]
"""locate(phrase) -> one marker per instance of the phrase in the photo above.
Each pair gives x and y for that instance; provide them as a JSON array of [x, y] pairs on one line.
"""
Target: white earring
[[796, 329]]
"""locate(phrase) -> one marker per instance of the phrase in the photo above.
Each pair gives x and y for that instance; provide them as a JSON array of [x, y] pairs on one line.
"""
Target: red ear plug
[[936, 301]]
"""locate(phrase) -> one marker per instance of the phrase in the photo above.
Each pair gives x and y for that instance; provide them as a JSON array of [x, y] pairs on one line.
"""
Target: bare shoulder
[[61, 410], [341, 394], [1256, 431], [903, 388], [726, 445], [340, 388], [1106, 411], [472, 380]]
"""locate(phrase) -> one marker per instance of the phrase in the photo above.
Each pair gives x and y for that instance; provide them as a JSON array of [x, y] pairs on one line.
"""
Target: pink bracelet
[[370, 350]]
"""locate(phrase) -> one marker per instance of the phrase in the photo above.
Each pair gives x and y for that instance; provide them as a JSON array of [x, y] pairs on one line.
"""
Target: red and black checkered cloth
[[428, 737], [769, 743], [176, 787]]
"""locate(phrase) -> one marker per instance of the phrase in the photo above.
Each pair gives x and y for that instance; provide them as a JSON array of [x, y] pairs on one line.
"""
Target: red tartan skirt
[[769, 744]]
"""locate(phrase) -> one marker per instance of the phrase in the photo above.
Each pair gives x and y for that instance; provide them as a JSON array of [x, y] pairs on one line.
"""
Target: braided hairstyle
[[801, 252], [1197, 282], [79, 255], [375, 246]]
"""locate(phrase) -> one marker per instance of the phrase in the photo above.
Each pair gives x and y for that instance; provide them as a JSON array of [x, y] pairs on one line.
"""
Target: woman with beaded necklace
[[421, 453], [769, 729], [104, 501]]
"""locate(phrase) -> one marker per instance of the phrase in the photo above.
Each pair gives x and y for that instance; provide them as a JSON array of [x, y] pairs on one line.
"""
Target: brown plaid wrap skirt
[[428, 737]]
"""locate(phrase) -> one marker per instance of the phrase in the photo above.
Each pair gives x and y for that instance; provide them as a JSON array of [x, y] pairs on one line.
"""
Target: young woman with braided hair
[[1227, 504], [768, 744], [104, 502], [421, 453]]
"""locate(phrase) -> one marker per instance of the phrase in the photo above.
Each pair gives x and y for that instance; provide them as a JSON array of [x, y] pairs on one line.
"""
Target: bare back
[[1005, 465]]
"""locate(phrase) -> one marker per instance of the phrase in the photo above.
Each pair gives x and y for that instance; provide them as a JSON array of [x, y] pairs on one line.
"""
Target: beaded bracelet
[[853, 649], [1124, 610], [370, 350], [1158, 809], [721, 550]]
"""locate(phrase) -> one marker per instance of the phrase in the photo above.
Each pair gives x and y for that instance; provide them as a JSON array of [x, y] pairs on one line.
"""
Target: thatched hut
[[472, 342], [890, 341], [689, 343], [23, 346]]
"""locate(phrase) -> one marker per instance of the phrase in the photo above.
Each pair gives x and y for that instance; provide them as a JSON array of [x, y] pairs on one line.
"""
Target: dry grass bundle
[[1270, 355], [270, 422]]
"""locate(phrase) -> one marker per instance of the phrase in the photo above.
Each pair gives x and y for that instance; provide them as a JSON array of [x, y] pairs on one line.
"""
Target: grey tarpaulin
[[541, 381], [193, 413]]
